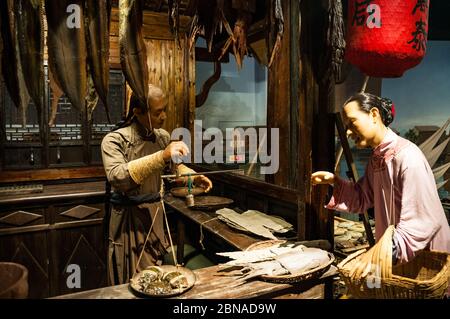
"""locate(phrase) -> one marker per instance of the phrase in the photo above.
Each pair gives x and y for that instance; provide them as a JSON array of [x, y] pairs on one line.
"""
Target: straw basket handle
[[350, 257], [379, 256]]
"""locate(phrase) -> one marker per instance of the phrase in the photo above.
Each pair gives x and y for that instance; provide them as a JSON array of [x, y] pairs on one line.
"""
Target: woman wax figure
[[398, 182]]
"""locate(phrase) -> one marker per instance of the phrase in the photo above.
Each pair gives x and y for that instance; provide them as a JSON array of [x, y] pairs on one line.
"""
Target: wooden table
[[211, 285]]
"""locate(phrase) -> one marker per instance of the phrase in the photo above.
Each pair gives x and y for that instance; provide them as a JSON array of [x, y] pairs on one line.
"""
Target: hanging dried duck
[[133, 55], [98, 13], [239, 35], [11, 63], [30, 30], [277, 20], [206, 24], [67, 47], [219, 22]]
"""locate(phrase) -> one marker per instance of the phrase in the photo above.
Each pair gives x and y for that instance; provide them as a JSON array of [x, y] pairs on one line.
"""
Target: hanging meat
[[91, 98], [174, 18], [98, 13], [240, 35], [29, 23], [208, 21], [57, 93], [11, 64], [67, 47], [133, 55], [238, 38], [276, 20]]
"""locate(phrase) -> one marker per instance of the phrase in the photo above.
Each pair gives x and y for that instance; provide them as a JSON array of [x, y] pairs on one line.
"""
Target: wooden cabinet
[[47, 232]]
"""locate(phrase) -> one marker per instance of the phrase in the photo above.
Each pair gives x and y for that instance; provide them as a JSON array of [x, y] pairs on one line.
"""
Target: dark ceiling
[[439, 19]]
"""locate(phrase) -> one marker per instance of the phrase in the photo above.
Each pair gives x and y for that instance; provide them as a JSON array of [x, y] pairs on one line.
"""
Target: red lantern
[[386, 37]]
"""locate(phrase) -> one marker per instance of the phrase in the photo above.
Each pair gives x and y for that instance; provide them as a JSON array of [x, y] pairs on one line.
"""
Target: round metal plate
[[189, 274]]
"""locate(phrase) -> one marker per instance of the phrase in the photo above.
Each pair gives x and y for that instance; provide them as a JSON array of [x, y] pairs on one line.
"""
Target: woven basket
[[371, 275]]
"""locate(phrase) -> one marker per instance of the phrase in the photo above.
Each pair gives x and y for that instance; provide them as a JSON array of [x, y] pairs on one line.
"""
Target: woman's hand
[[203, 181], [322, 177]]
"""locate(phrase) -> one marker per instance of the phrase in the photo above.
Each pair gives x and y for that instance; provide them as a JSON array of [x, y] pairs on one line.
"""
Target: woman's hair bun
[[389, 110]]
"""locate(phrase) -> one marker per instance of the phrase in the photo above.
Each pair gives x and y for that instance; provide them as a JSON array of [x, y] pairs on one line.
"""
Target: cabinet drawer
[[22, 217], [78, 212]]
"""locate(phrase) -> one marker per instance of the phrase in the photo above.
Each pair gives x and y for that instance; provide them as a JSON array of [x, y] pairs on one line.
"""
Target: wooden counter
[[209, 221], [211, 285]]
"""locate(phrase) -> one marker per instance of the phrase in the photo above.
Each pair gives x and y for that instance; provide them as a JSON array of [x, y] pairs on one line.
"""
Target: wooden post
[[279, 101]]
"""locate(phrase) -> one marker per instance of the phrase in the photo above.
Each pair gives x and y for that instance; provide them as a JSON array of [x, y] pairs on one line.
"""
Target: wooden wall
[[170, 66]]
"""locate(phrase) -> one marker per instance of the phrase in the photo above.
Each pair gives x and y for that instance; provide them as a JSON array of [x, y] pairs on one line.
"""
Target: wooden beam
[[316, 123], [278, 102], [156, 25]]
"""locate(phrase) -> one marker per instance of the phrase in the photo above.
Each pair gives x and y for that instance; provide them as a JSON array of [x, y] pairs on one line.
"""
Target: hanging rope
[[201, 232], [145, 242]]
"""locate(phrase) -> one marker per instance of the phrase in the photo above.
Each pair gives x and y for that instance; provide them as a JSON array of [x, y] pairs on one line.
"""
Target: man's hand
[[175, 151], [322, 177], [203, 181]]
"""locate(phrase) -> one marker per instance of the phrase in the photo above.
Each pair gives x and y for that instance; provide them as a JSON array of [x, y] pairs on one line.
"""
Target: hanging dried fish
[[279, 24], [11, 65], [30, 29], [67, 47], [98, 13], [57, 93], [133, 55]]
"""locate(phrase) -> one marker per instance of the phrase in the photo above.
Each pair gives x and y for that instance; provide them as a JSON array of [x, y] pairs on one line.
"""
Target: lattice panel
[[67, 122], [116, 97], [20, 125]]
